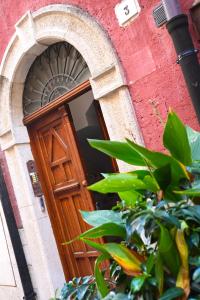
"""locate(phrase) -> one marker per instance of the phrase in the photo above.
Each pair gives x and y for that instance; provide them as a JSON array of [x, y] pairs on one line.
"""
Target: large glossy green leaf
[[152, 158], [129, 260], [140, 173], [194, 141], [115, 183], [150, 263], [159, 273], [130, 198], [100, 217], [163, 176], [172, 293], [178, 171], [194, 191], [119, 150], [168, 251], [170, 195], [151, 183], [158, 160], [175, 139], [97, 246], [100, 281], [190, 192], [108, 229], [146, 176], [183, 278]]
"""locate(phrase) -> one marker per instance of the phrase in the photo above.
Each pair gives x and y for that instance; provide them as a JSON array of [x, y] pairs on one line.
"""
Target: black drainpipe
[[177, 27], [29, 293]]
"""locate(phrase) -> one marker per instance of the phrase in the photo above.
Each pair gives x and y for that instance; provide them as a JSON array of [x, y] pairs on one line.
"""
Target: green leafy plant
[[157, 222], [80, 288]]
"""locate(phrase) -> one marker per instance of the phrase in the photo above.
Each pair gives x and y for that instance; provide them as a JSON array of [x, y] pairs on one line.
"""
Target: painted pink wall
[[146, 53]]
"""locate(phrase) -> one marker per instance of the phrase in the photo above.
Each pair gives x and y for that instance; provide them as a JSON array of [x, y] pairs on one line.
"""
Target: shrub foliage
[[157, 222]]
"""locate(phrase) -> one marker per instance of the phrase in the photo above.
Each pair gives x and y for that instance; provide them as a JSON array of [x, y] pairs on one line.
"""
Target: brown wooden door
[[62, 180]]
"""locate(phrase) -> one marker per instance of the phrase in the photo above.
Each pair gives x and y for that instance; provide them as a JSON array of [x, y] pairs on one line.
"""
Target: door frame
[[67, 97], [35, 117]]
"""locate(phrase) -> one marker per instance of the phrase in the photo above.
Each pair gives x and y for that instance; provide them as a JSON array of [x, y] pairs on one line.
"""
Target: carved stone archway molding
[[34, 32]]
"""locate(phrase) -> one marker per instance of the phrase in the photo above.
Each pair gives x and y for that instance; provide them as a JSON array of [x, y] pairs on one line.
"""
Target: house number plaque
[[126, 11]]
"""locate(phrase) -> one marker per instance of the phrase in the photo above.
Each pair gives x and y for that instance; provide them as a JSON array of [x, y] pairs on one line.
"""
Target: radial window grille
[[56, 71]]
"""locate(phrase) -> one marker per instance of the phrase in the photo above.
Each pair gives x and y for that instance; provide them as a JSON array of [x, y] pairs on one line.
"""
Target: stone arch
[[34, 32]]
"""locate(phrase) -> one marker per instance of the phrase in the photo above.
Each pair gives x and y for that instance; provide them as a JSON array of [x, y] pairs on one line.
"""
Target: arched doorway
[[34, 32], [60, 114]]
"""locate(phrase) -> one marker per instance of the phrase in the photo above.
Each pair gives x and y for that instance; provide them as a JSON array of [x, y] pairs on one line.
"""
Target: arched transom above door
[[59, 69]]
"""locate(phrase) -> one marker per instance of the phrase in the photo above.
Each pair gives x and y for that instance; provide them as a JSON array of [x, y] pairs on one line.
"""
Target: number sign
[[126, 10]]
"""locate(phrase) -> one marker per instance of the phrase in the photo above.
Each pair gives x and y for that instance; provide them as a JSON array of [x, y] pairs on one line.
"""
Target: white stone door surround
[[34, 32]]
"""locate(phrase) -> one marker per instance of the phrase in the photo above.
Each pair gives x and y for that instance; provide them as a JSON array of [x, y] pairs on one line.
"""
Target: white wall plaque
[[126, 10]]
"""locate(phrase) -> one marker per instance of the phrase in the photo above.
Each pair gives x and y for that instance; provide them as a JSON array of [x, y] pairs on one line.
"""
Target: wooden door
[[63, 183]]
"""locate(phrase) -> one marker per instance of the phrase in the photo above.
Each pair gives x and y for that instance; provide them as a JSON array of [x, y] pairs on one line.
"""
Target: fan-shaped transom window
[[56, 71]]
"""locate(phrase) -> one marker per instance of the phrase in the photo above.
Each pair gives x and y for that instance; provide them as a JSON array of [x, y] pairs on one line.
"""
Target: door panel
[[61, 175]]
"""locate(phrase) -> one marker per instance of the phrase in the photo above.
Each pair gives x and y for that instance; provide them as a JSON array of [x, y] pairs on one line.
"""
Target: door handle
[[84, 183], [66, 188]]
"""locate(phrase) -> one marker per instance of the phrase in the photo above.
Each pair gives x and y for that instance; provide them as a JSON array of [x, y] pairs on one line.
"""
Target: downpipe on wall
[[177, 27], [29, 293]]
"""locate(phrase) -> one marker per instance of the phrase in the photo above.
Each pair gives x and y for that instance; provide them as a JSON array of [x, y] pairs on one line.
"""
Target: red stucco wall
[[146, 53]]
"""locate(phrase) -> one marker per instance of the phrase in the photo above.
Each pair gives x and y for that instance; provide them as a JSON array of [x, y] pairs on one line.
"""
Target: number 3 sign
[[126, 10]]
